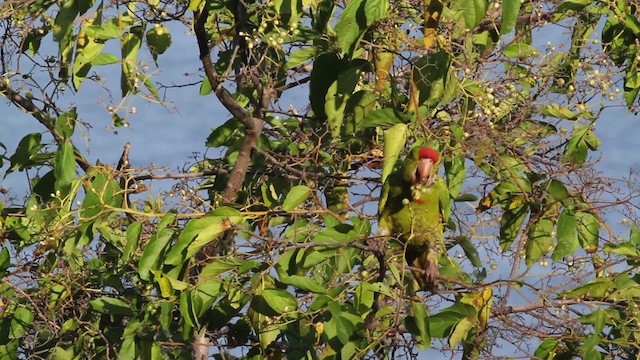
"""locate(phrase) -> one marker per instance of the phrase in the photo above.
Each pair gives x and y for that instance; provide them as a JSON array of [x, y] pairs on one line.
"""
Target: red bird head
[[427, 160], [429, 153]]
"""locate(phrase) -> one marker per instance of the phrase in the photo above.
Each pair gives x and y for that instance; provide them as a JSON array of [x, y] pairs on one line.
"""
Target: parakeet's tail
[[427, 261]]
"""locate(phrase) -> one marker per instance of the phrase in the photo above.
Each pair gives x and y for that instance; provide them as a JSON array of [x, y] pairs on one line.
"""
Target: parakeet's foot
[[431, 275]]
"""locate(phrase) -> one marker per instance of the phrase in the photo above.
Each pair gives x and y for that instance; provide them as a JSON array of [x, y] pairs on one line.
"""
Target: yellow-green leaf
[[567, 239], [296, 196], [394, 140]]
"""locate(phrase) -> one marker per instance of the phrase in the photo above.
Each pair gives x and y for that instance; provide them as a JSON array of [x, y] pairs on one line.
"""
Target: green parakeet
[[414, 206]]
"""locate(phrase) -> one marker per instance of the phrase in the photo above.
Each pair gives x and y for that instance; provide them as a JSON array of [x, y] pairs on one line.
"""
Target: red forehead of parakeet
[[429, 153]]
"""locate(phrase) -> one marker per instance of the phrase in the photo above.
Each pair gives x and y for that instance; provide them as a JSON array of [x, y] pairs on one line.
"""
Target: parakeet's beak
[[423, 171]]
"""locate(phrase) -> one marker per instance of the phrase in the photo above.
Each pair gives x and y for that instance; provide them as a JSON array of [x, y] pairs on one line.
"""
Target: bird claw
[[431, 275]]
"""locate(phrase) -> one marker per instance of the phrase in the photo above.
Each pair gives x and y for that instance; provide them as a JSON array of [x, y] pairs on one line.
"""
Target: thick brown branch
[[253, 126], [212, 75]]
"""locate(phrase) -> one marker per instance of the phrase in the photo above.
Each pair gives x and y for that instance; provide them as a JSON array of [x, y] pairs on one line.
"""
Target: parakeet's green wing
[[391, 190], [445, 200]]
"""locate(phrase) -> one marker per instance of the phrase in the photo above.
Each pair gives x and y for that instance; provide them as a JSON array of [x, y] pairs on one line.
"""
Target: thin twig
[[43, 118]]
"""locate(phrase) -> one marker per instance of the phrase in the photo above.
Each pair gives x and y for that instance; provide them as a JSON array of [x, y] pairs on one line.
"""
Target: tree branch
[[521, 20], [500, 311], [253, 126], [212, 75], [43, 118]]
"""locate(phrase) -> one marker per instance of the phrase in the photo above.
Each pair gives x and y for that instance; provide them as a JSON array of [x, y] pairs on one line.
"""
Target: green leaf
[[300, 56], [153, 251], [588, 347], [597, 318], [339, 326], [201, 231], [597, 288], [133, 238], [62, 354], [375, 10], [326, 68], [360, 104], [467, 198], [559, 111], [315, 256], [280, 301], [573, 5], [631, 82], [248, 265], [207, 292], [350, 26], [296, 196], [349, 351], [592, 141], [117, 120], [539, 239], [186, 309], [303, 283], [338, 95], [625, 249], [567, 239], [510, 224], [111, 306], [546, 349], [630, 21], [63, 23], [469, 250], [394, 140], [158, 40], [212, 230], [26, 152], [430, 76], [146, 80], [461, 331], [440, 324], [217, 267], [421, 319], [20, 322], [65, 123], [102, 191], [87, 48], [382, 117], [455, 173], [65, 167], [195, 5], [472, 11], [557, 189], [520, 50], [225, 133], [289, 11], [510, 11], [33, 40], [104, 31], [131, 42], [5, 261], [588, 229], [205, 86], [342, 233], [364, 296], [576, 149], [634, 234], [164, 284]]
